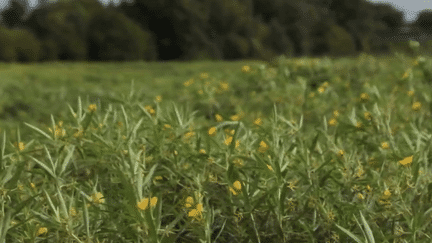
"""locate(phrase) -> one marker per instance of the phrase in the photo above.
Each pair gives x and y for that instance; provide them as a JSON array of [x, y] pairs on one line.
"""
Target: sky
[[410, 7]]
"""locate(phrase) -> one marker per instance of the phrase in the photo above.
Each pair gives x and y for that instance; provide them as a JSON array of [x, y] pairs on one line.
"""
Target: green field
[[299, 150]]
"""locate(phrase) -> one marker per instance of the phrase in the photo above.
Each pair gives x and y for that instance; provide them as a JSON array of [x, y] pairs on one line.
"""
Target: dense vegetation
[[303, 150], [78, 30]]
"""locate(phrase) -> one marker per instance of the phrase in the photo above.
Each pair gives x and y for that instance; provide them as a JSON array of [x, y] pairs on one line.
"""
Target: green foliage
[[20, 45], [27, 46], [402, 47], [235, 47], [424, 20], [226, 15], [12, 16], [49, 50], [277, 39], [389, 15], [260, 51], [308, 171], [113, 36], [340, 41], [7, 50]]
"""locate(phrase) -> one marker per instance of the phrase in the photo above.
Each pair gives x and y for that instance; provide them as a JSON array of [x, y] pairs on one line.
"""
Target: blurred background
[[182, 30]]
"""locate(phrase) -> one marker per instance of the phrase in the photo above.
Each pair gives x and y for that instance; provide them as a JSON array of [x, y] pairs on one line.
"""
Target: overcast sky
[[410, 7]]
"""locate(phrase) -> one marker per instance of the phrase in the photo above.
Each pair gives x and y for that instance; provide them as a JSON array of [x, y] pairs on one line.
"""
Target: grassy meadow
[[297, 150]]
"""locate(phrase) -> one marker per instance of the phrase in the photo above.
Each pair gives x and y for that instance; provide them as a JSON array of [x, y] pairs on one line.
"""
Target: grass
[[310, 150]]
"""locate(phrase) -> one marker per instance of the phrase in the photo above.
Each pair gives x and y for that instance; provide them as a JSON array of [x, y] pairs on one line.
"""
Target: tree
[[424, 21], [113, 36], [13, 16]]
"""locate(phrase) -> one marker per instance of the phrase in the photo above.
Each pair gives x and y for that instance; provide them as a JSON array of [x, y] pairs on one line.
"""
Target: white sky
[[410, 7]]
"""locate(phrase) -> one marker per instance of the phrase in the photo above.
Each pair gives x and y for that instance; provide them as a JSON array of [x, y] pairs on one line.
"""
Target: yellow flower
[[332, 122], [188, 135], [98, 198], [406, 74], [199, 207], [410, 93], [79, 133], [325, 84], [157, 178], [20, 146], [321, 90], [218, 118], [311, 95], [238, 162], [292, 185], [228, 140], [258, 122], [193, 213], [204, 75], [406, 160], [92, 108], [336, 113], [245, 69], [235, 117], [269, 167], [189, 202], [188, 83], [144, 203], [224, 85], [387, 194], [368, 116], [359, 125], [416, 106], [73, 212], [158, 98], [197, 212], [263, 147], [236, 188], [41, 230], [150, 109], [385, 145], [212, 131], [341, 153], [202, 151], [364, 97]]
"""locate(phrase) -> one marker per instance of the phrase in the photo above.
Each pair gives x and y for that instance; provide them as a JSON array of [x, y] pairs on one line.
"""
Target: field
[[299, 150]]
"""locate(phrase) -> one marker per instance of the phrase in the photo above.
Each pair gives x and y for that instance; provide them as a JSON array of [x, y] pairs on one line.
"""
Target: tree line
[[85, 30]]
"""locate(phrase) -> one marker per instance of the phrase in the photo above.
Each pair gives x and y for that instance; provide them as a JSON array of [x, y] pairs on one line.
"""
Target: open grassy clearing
[[309, 150]]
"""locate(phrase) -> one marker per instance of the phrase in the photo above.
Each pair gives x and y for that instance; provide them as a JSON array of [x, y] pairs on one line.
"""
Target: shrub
[[26, 45], [113, 36], [235, 47], [18, 45], [340, 41], [49, 51]]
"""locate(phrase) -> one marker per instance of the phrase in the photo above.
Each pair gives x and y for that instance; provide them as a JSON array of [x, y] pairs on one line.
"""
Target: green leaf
[[2, 151], [45, 167], [79, 110], [67, 159], [86, 217], [368, 229], [39, 131], [125, 118], [13, 182], [349, 234]]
